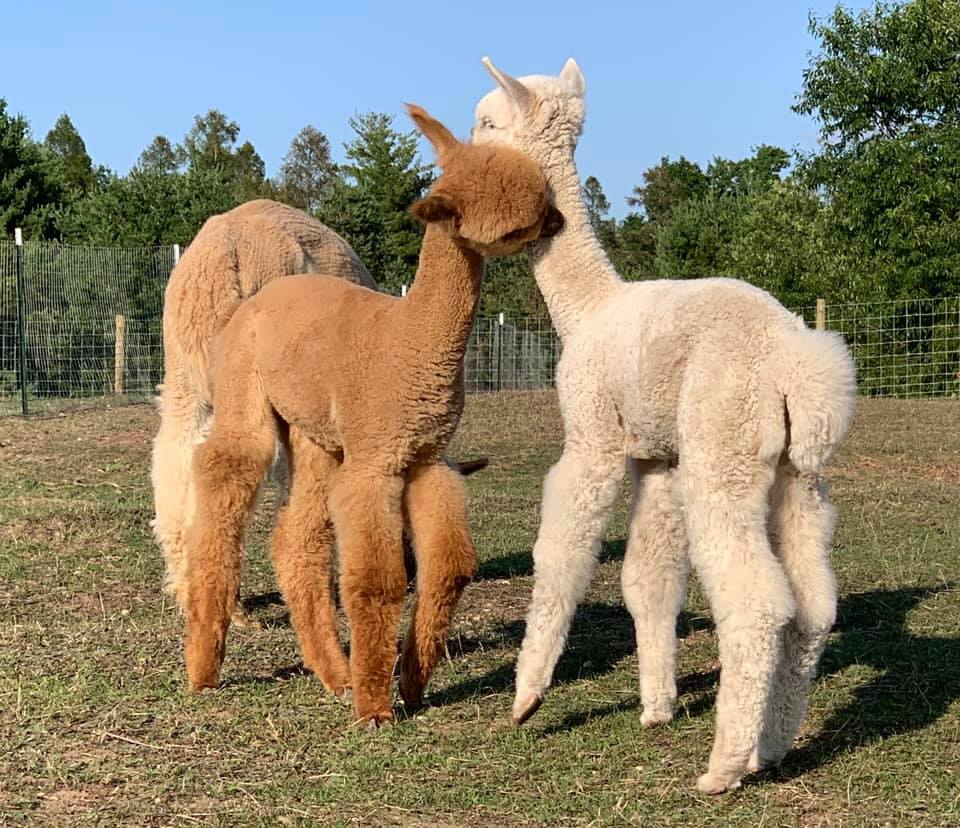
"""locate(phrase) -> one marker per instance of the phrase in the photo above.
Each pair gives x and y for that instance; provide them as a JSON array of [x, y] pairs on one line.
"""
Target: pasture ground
[[95, 726]]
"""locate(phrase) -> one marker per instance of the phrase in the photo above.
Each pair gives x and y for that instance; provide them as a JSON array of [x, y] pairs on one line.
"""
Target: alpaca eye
[[486, 123]]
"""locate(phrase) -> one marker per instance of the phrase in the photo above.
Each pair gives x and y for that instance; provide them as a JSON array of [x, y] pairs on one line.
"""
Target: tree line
[[873, 213]]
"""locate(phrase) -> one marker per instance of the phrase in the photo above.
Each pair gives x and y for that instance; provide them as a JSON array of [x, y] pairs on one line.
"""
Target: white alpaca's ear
[[573, 77], [519, 94]]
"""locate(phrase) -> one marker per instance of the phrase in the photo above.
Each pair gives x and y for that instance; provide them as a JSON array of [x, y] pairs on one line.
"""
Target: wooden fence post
[[119, 353], [821, 314]]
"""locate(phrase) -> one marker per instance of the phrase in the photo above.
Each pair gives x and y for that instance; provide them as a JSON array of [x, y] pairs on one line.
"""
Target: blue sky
[[688, 78]]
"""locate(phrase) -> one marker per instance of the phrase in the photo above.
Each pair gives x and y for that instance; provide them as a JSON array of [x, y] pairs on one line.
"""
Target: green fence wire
[[92, 329], [73, 300]]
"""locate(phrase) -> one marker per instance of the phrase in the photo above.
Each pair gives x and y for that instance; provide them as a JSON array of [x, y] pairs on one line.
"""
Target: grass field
[[95, 726]]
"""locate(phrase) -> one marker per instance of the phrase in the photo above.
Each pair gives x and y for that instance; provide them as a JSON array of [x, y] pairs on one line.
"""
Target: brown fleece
[[231, 258], [374, 383]]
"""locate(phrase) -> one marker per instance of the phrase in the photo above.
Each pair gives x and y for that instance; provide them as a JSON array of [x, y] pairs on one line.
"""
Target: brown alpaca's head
[[490, 197]]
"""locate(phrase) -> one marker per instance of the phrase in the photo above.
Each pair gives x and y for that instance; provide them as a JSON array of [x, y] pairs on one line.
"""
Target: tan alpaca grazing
[[230, 259], [366, 391]]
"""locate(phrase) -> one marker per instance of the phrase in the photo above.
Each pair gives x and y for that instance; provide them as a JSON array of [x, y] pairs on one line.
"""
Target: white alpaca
[[725, 407]]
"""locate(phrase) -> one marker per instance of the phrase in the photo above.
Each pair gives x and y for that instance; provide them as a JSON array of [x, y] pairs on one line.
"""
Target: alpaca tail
[[468, 467], [815, 375]]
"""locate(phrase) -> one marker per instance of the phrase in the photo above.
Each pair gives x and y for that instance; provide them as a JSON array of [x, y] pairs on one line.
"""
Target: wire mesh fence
[[91, 328]]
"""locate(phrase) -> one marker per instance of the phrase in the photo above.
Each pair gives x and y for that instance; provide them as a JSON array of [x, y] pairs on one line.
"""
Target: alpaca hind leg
[[368, 520], [436, 507], [280, 474], [726, 514], [579, 493], [801, 528], [654, 581], [184, 418], [228, 469], [302, 553]]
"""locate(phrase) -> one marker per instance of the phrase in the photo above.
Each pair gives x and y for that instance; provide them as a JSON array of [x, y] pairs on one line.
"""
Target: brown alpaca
[[231, 258], [366, 390]]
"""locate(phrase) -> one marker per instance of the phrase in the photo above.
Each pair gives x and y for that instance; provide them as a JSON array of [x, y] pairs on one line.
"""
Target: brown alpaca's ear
[[443, 139], [552, 223], [437, 207]]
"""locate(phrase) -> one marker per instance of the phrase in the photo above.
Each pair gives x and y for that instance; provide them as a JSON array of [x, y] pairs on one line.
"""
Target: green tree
[[65, 145], [598, 206], [369, 204], [159, 156], [636, 248], [885, 87], [210, 145], [30, 188], [668, 185], [783, 244], [307, 170], [149, 207], [752, 175], [695, 234]]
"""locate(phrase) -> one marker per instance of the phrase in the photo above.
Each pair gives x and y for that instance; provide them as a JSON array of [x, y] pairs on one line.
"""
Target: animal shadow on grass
[[520, 564], [918, 676], [601, 636]]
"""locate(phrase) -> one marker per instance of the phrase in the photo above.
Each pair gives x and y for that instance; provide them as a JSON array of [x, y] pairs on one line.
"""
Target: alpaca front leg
[[801, 524], [302, 553], [578, 497], [654, 582], [368, 520], [228, 474], [436, 507]]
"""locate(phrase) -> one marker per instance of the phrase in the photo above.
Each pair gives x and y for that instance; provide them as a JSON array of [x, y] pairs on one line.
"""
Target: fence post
[[176, 255], [21, 319], [119, 353], [500, 352], [403, 289], [821, 314]]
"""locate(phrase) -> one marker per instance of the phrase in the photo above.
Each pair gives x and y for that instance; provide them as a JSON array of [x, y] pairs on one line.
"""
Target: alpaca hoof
[[525, 707], [761, 762], [244, 621], [344, 694], [411, 692], [377, 721], [713, 784], [656, 716]]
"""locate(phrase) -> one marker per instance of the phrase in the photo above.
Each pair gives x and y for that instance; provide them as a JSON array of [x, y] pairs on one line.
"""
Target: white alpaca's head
[[539, 114]]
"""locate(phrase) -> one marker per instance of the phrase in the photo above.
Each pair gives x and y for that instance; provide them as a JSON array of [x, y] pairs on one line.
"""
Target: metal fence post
[[500, 353], [176, 255], [21, 320]]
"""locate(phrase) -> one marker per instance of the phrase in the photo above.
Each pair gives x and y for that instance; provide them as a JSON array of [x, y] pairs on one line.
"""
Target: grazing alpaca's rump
[[370, 388], [231, 258], [726, 408]]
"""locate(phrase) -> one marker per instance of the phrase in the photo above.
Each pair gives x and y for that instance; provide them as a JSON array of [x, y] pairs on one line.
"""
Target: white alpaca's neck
[[572, 270]]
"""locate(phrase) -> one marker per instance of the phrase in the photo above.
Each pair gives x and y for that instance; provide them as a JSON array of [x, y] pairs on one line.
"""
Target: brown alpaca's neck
[[442, 303]]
